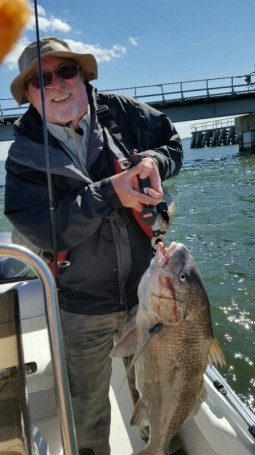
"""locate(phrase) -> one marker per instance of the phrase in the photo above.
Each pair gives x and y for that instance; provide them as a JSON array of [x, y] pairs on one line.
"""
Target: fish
[[172, 343]]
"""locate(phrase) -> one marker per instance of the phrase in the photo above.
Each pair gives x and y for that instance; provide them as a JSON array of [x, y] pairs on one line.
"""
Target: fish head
[[172, 289]]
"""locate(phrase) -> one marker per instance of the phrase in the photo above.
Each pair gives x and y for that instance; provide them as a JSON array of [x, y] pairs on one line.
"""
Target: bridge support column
[[245, 128]]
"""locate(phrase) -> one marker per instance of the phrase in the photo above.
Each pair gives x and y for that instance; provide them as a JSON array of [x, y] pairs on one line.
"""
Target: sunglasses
[[68, 71]]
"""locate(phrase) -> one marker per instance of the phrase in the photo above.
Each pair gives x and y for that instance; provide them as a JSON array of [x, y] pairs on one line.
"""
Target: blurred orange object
[[14, 14]]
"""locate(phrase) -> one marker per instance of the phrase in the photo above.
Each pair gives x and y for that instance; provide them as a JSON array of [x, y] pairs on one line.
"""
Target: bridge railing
[[10, 109], [201, 88], [160, 93], [213, 124]]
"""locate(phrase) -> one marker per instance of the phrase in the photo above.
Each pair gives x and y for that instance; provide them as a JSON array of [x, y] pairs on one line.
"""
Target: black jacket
[[108, 251]]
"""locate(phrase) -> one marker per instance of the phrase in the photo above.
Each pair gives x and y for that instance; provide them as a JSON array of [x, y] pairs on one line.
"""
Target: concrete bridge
[[181, 101], [214, 133], [199, 99]]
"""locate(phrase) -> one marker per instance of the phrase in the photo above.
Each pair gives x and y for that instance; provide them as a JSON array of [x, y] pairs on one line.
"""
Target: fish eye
[[183, 277]]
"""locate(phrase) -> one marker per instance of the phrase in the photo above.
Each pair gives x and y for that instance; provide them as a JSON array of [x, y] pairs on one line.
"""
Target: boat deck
[[124, 438]]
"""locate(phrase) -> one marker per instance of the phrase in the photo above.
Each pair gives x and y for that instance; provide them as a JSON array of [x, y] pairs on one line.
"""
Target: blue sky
[[144, 42]]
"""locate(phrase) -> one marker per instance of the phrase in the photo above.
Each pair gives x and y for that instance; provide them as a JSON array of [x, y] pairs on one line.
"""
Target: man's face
[[66, 100]]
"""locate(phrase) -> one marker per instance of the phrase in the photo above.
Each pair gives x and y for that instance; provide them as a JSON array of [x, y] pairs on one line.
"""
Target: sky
[[147, 42]]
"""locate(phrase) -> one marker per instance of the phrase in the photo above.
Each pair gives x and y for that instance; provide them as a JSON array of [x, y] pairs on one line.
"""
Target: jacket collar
[[28, 147]]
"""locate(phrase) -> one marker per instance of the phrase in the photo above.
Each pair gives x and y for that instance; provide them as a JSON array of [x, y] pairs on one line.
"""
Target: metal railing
[[213, 124], [57, 350], [166, 92], [200, 88]]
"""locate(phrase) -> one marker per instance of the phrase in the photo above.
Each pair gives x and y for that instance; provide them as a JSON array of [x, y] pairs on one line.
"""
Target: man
[[89, 135]]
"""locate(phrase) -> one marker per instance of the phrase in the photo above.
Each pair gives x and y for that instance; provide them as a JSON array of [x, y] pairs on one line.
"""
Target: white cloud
[[133, 40], [53, 24], [100, 53], [12, 58], [48, 22], [41, 11]]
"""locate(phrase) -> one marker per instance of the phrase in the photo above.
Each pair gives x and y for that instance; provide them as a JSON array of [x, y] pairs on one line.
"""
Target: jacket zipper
[[123, 300]]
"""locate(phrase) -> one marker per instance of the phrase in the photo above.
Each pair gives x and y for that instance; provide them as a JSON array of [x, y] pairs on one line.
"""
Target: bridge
[[198, 99], [214, 133], [181, 101]]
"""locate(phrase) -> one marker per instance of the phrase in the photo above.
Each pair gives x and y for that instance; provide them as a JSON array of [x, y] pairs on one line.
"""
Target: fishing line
[[47, 152]]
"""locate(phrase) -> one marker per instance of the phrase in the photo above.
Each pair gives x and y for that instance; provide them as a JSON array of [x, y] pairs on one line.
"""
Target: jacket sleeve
[[166, 149], [78, 214], [155, 134]]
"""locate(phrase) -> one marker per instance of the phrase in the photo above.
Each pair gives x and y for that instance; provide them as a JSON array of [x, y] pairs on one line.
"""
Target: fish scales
[[170, 397], [172, 340]]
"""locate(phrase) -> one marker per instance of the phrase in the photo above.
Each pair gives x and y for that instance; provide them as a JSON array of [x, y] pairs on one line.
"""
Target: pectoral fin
[[145, 341], [127, 344], [215, 354]]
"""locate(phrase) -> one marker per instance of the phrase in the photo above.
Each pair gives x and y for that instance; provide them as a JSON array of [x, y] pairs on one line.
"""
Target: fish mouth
[[164, 253]]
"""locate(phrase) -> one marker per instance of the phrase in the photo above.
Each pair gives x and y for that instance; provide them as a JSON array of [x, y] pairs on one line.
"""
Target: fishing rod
[[64, 399], [47, 153]]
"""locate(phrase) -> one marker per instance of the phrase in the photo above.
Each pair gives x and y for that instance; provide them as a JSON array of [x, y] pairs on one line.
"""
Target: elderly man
[[89, 135]]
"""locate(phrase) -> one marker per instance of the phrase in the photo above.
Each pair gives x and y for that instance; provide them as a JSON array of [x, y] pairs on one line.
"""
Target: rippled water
[[215, 217], [215, 203]]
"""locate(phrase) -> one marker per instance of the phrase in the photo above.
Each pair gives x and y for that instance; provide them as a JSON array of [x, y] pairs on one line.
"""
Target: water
[[215, 217], [215, 200]]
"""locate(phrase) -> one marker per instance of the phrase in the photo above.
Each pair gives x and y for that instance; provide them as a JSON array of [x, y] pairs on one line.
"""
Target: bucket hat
[[49, 46]]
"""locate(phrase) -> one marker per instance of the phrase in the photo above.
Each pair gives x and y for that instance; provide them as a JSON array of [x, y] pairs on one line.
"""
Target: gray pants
[[88, 340]]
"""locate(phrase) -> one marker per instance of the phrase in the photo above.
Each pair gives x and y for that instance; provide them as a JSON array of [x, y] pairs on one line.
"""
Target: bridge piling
[[214, 134], [245, 126]]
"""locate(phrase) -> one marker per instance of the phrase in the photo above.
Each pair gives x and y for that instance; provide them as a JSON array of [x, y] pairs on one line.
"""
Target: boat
[[35, 405]]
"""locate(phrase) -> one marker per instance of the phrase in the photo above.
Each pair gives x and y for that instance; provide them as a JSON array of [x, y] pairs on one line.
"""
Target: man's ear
[[27, 95]]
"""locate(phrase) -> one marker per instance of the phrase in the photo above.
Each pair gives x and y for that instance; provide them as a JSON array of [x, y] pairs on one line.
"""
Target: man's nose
[[56, 80]]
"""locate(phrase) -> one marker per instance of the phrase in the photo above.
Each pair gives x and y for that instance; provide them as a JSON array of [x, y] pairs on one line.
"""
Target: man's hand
[[127, 188]]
